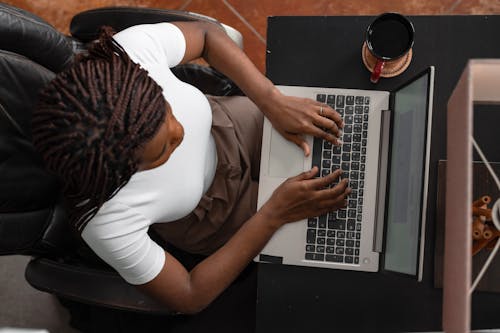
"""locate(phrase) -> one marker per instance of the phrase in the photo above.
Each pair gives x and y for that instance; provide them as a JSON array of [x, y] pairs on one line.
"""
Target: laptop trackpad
[[286, 158]]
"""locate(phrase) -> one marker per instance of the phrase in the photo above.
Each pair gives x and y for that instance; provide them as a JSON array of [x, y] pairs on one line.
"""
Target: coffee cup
[[389, 38]]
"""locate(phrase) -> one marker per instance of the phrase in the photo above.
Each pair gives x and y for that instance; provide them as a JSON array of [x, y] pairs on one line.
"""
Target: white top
[[118, 233]]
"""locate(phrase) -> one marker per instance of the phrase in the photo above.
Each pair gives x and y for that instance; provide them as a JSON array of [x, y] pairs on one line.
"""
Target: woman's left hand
[[294, 117]]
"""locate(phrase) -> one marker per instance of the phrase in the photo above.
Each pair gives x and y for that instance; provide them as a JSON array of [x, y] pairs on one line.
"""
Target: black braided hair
[[90, 122]]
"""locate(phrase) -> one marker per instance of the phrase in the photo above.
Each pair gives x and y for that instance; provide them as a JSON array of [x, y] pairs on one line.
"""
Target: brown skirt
[[232, 198]]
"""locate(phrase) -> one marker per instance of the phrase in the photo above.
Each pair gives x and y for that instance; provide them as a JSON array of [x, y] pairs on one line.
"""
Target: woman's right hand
[[297, 198], [304, 196]]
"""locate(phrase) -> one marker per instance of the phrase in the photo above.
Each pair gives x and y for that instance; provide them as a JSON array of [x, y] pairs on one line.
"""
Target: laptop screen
[[407, 176]]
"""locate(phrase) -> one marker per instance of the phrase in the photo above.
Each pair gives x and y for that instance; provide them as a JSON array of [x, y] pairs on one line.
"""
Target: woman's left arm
[[293, 117]]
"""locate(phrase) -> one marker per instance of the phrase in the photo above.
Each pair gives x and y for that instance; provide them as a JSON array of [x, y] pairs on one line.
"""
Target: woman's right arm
[[297, 198]]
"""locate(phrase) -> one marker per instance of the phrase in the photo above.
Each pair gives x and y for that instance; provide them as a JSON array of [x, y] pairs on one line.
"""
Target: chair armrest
[[90, 286], [207, 79], [85, 25]]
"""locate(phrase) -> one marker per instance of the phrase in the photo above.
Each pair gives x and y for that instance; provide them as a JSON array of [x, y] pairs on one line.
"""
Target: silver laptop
[[385, 155]]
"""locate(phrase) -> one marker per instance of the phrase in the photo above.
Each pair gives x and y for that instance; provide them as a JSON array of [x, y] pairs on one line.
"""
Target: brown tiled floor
[[250, 16]]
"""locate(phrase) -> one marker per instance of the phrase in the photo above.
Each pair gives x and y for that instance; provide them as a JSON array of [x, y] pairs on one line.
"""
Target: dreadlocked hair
[[90, 122]]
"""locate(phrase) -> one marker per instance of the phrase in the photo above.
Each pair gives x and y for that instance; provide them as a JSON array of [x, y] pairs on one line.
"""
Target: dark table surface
[[326, 52]]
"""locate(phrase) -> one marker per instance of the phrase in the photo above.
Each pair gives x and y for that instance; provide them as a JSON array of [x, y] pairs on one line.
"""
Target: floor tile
[[24, 307], [250, 16], [257, 11], [253, 46], [59, 13], [477, 7]]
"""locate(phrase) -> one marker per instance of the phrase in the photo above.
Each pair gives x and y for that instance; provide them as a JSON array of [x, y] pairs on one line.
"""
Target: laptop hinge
[[382, 181]]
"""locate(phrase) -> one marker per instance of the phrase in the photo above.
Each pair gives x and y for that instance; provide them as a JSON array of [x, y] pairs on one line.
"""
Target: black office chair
[[33, 220]]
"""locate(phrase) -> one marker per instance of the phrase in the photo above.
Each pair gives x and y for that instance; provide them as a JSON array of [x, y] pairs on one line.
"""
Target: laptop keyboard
[[335, 237]]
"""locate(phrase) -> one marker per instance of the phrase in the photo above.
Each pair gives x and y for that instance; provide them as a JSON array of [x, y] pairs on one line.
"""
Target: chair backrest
[[85, 25], [32, 220], [26, 34]]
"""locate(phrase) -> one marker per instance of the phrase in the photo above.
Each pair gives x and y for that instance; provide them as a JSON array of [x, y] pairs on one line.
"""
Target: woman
[[134, 146]]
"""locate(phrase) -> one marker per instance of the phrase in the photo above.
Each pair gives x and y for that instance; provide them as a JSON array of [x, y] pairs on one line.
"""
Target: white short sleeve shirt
[[118, 233]]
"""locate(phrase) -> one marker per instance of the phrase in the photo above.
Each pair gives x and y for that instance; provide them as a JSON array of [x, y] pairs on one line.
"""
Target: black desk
[[326, 51]]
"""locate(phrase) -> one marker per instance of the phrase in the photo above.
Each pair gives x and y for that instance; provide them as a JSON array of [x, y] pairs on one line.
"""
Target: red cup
[[389, 37]]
